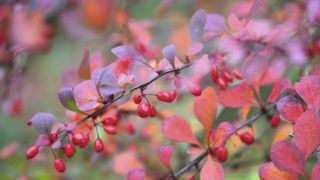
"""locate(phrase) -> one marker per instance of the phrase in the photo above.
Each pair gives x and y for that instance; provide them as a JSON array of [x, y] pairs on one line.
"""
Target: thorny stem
[[198, 159]]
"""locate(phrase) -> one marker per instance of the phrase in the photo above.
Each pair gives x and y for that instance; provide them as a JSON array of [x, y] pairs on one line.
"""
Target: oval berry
[[59, 165], [109, 121], [275, 121], [77, 138], [214, 72], [247, 138], [137, 98], [152, 111], [195, 90], [143, 110], [98, 145], [69, 150], [221, 154], [173, 95], [53, 137], [227, 77], [32, 152], [221, 83], [130, 128], [111, 130], [237, 74], [85, 142], [164, 96]]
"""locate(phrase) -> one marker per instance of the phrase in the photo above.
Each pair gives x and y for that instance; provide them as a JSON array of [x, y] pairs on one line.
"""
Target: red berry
[[29, 123], [98, 145], [69, 150], [164, 96], [59, 165], [237, 74], [109, 121], [214, 72], [137, 98], [227, 77], [173, 95], [53, 137], [78, 138], [317, 46], [247, 138], [85, 142], [310, 52], [221, 154], [221, 83], [275, 121], [195, 90], [111, 130], [32, 152], [130, 128], [143, 109], [152, 111]]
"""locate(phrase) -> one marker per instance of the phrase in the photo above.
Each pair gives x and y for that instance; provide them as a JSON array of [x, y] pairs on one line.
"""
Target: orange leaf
[[205, 108], [268, 171]]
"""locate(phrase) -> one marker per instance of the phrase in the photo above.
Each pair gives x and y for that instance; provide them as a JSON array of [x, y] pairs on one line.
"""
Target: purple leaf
[[256, 6], [196, 25], [106, 80], [215, 23], [56, 145], [67, 99], [169, 52], [136, 174], [124, 52], [43, 122]]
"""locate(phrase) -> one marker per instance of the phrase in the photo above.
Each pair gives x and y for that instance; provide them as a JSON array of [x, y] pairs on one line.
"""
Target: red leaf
[[237, 96], [178, 129], [124, 162], [315, 174], [290, 108], [287, 157], [221, 134], [268, 171], [136, 174], [211, 170], [84, 69], [308, 88], [205, 108], [278, 89], [165, 154], [306, 133], [315, 70]]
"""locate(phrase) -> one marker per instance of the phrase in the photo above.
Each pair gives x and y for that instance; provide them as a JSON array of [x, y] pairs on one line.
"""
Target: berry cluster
[[145, 108], [222, 76]]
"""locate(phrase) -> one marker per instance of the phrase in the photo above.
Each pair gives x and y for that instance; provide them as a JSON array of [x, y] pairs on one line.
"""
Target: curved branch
[[197, 160]]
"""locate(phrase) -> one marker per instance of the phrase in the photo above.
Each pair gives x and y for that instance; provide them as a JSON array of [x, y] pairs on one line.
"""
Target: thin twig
[[99, 111], [198, 159]]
